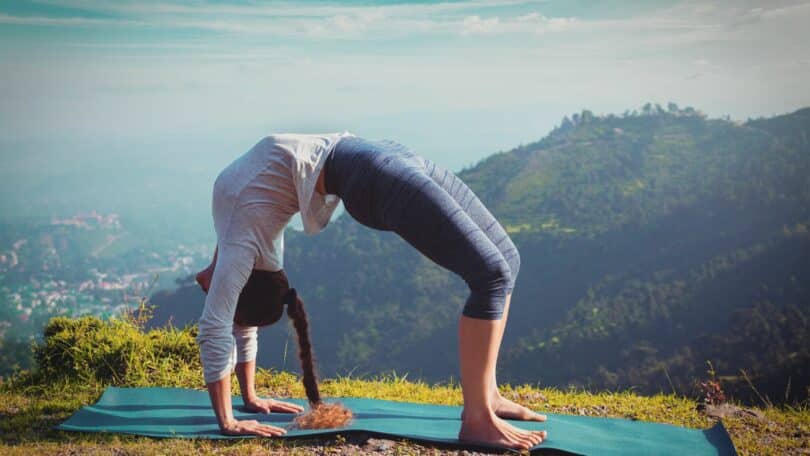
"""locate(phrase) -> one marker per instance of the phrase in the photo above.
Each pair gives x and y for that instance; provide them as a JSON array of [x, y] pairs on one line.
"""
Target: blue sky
[[196, 83]]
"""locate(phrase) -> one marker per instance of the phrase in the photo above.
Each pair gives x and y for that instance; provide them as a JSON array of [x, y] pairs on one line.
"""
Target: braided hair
[[261, 303]]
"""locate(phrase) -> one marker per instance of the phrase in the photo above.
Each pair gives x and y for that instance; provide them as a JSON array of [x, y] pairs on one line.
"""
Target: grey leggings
[[386, 186]]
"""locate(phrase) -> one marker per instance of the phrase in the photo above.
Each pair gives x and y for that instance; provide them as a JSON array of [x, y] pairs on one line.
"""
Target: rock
[[379, 445], [729, 410]]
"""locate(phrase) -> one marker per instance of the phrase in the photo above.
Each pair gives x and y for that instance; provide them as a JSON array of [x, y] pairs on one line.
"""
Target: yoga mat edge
[[184, 413]]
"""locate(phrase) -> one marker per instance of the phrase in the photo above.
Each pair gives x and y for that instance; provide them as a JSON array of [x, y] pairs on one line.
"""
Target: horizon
[[456, 81]]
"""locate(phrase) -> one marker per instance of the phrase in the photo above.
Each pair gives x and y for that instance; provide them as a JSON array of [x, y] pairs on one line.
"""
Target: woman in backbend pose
[[385, 186]]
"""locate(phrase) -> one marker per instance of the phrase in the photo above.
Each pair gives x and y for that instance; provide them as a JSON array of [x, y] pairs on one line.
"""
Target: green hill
[[651, 243]]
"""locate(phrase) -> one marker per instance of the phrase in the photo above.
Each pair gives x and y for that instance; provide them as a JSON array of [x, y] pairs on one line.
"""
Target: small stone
[[728, 410], [379, 445]]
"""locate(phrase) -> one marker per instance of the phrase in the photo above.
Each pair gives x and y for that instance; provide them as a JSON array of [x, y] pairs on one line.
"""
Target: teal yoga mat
[[184, 413]]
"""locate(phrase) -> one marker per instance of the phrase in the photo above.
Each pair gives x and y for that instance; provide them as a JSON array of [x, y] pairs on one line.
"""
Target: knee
[[498, 276], [514, 268], [488, 292], [512, 255]]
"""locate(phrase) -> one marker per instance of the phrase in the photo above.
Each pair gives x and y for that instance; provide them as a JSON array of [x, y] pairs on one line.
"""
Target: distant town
[[88, 263]]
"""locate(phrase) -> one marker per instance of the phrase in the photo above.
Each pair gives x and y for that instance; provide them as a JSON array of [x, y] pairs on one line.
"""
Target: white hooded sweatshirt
[[253, 200]]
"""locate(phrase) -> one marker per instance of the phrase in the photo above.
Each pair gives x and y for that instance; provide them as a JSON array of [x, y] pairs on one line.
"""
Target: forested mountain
[[651, 243]]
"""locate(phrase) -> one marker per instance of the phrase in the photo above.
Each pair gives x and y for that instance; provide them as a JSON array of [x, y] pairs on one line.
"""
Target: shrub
[[117, 352]]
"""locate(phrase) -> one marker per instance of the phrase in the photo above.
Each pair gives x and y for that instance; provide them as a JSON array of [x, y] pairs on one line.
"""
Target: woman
[[384, 186]]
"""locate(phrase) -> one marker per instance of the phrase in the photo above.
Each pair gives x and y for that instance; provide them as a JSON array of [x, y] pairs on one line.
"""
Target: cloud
[[294, 20], [528, 24], [359, 22], [66, 21], [688, 21], [283, 9], [540, 24], [475, 25], [418, 58]]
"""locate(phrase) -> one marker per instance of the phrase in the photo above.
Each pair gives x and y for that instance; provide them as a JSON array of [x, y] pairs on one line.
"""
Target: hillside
[[695, 237], [78, 358], [651, 243]]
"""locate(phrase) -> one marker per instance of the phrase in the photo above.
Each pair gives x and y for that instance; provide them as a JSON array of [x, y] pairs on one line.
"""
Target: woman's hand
[[220, 392], [204, 277], [260, 405], [251, 427]]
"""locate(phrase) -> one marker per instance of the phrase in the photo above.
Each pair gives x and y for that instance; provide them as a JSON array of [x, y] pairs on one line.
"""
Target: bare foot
[[204, 279], [488, 429], [509, 410]]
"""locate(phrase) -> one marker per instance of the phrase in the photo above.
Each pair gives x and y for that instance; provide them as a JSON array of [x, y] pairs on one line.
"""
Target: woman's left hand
[[260, 405]]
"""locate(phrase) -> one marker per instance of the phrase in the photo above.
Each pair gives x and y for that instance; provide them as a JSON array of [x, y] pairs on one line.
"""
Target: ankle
[[478, 414]]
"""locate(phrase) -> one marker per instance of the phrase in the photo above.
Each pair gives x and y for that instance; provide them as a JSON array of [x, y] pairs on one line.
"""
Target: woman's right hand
[[252, 427], [220, 392]]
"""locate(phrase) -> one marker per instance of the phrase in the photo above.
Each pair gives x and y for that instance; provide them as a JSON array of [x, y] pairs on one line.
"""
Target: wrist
[[227, 424]]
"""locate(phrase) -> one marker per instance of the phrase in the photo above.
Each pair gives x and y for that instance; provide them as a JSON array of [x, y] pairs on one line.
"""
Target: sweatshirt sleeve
[[246, 342], [216, 339]]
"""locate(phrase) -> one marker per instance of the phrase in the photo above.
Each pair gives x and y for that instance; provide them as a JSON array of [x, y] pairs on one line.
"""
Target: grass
[[31, 404]]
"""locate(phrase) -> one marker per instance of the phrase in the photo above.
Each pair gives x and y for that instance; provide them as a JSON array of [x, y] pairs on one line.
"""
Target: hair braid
[[321, 415], [295, 310]]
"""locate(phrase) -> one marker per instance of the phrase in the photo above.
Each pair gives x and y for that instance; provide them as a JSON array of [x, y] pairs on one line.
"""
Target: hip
[[370, 176]]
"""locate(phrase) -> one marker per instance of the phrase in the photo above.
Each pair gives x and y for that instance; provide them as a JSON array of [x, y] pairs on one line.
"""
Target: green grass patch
[[80, 357]]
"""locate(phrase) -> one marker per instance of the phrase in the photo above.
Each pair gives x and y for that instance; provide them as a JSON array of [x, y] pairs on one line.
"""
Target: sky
[[193, 84]]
